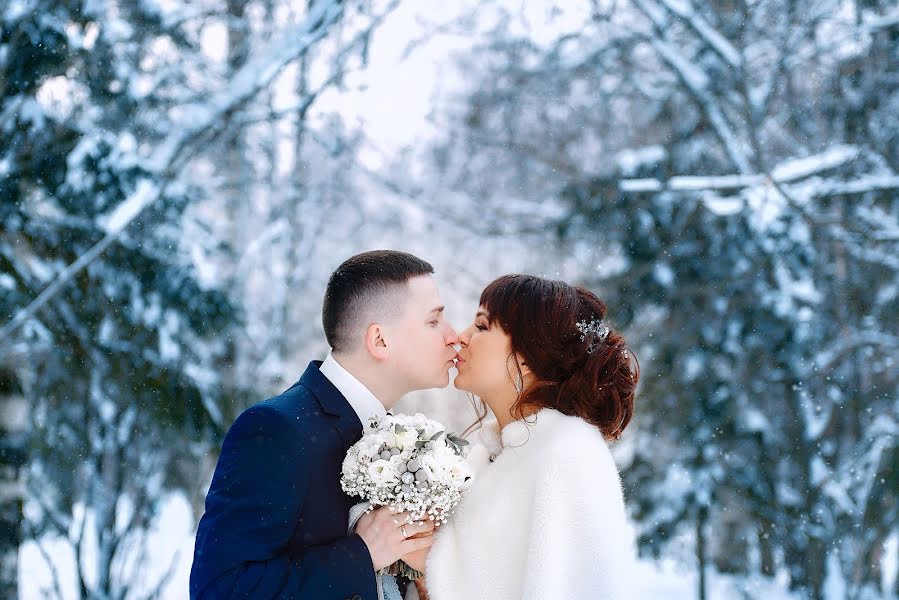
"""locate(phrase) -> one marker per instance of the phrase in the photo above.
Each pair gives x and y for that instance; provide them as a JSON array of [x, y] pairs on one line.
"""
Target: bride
[[545, 518]]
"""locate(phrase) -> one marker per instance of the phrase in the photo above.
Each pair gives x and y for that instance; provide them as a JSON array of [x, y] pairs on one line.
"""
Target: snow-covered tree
[[110, 113], [725, 176]]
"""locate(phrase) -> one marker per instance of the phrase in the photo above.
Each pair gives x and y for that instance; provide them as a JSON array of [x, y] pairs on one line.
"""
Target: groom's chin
[[445, 380], [440, 382]]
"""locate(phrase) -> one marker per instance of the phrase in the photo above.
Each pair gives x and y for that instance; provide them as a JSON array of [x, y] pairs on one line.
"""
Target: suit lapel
[[333, 403]]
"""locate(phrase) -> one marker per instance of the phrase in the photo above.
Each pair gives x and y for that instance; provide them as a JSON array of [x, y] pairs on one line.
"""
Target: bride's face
[[484, 360]]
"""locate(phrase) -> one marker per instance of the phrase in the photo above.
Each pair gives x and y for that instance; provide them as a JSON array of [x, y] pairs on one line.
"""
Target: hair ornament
[[593, 333]]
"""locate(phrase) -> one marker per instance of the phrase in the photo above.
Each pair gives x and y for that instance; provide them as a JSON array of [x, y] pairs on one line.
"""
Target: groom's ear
[[375, 343]]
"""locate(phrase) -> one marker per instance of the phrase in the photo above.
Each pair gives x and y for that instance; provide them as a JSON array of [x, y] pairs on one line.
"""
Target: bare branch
[[54, 572], [696, 83]]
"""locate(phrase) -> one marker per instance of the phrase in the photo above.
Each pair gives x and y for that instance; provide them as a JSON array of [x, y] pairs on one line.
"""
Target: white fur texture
[[545, 521]]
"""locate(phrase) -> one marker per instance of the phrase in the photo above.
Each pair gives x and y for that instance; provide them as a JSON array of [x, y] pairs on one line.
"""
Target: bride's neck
[[504, 415]]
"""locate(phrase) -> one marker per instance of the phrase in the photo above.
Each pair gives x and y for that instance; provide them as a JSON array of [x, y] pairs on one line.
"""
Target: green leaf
[[457, 440]]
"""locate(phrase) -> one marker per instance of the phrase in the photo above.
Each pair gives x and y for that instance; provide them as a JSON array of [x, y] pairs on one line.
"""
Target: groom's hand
[[389, 536]]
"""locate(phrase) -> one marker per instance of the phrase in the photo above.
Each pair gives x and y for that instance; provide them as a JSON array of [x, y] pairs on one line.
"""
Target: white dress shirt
[[360, 397]]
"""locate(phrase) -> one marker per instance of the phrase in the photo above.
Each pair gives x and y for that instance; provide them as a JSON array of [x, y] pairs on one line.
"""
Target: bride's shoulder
[[573, 455], [567, 438], [555, 425]]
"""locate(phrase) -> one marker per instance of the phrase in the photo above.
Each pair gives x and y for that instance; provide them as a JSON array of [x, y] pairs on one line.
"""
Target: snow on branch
[[715, 40], [800, 168], [883, 22], [826, 359], [791, 171], [254, 76], [696, 81]]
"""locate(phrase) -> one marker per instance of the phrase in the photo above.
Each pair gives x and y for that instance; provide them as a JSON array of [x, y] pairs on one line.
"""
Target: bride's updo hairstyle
[[582, 367]]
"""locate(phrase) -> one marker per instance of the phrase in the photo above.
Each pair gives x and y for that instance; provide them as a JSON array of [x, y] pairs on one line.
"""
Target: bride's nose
[[464, 337]]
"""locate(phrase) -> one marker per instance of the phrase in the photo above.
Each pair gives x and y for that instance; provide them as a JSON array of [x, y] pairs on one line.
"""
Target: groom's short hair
[[367, 288]]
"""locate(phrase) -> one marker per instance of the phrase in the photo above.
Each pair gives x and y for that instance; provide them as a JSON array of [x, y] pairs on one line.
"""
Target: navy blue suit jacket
[[276, 518]]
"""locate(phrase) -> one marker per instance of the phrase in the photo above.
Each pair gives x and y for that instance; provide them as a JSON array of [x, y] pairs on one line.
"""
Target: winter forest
[[178, 179]]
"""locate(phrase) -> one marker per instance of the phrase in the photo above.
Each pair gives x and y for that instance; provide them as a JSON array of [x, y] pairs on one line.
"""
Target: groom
[[276, 518]]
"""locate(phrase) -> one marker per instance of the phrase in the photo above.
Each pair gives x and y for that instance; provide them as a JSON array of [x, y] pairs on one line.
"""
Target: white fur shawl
[[545, 521]]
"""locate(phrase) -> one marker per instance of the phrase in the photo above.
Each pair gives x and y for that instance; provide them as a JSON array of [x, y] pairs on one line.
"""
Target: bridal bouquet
[[411, 464]]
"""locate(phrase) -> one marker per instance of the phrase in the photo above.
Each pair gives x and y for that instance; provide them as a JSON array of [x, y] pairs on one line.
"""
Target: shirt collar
[[364, 403]]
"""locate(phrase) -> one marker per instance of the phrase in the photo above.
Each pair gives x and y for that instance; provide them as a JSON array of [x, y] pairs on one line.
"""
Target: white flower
[[433, 485], [351, 462], [431, 465], [383, 473], [404, 441]]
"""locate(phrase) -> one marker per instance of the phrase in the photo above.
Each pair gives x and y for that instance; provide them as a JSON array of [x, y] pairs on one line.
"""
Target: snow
[[694, 77], [671, 579], [815, 416], [256, 74], [858, 185], [820, 472], [693, 366], [172, 538], [754, 420], [31, 111], [664, 274], [15, 9], [803, 167], [757, 186], [717, 41], [721, 205], [875, 21], [631, 160], [767, 206], [394, 103], [145, 194], [169, 347], [800, 288], [890, 561]]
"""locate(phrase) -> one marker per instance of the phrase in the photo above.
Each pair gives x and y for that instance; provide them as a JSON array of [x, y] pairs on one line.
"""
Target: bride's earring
[[519, 385]]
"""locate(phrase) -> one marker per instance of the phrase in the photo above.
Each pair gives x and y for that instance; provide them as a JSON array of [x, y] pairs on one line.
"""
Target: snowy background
[[179, 178]]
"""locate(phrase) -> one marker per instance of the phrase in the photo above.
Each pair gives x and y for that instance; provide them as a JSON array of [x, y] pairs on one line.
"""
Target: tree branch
[[247, 82]]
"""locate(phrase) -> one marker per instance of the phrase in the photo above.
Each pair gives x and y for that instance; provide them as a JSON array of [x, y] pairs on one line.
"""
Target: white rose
[[371, 445], [430, 464], [406, 440], [443, 452], [382, 473]]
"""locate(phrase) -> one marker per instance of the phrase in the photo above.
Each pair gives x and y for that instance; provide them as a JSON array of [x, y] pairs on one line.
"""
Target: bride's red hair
[[541, 317]]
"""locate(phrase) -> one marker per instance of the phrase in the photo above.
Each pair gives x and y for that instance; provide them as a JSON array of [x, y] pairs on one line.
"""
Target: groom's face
[[421, 341]]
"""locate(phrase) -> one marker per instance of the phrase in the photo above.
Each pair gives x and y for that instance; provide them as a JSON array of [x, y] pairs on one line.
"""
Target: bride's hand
[[417, 559]]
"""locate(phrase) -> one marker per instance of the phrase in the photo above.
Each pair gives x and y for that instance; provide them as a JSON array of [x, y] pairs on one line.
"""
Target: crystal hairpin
[[594, 333]]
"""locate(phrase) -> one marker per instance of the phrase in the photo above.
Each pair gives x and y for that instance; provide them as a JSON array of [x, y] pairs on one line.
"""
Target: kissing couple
[[544, 517]]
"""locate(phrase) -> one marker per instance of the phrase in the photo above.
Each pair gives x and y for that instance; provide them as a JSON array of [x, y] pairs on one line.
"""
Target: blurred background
[[179, 178]]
